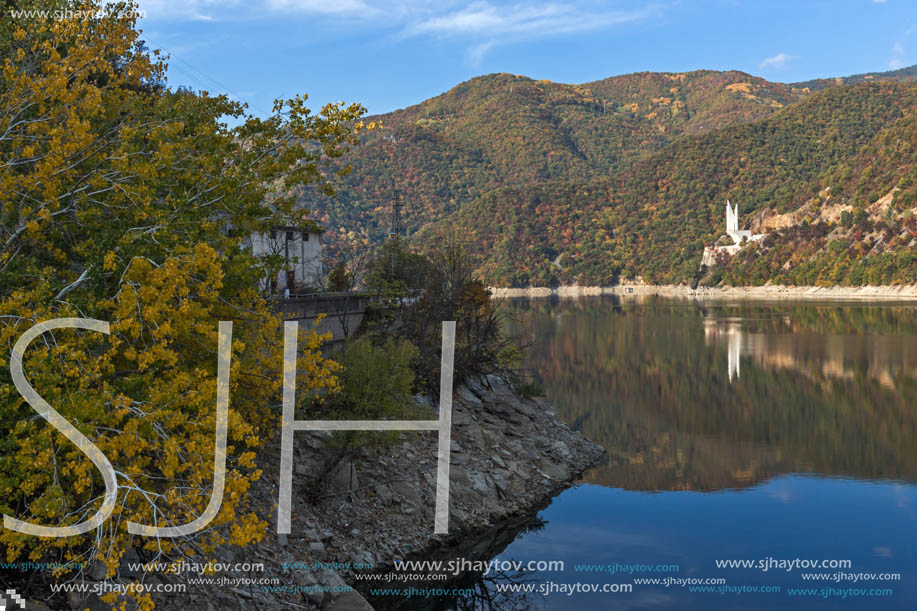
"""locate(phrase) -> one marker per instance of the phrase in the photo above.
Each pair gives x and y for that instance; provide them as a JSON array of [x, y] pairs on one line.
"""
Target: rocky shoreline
[[767, 292], [510, 455]]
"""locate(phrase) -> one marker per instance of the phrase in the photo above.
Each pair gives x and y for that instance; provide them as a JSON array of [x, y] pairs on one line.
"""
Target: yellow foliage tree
[[128, 202]]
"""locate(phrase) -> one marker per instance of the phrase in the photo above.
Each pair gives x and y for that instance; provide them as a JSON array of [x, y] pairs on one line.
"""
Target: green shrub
[[376, 383], [376, 380]]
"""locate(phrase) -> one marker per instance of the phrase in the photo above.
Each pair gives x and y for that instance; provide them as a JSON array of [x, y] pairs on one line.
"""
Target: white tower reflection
[[729, 332], [735, 353]]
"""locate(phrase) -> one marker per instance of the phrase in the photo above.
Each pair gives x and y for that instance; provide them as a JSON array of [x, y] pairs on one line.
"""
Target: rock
[[458, 477], [475, 436], [97, 570], [344, 476], [329, 578], [316, 547], [130, 557], [516, 467], [501, 409], [543, 443], [554, 470], [561, 448], [526, 410], [407, 490], [479, 483], [501, 484], [226, 554], [498, 386], [350, 601], [460, 416], [468, 397], [476, 384], [310, 534], [384, 494], [317, 598], [304, 578], [92, 602]]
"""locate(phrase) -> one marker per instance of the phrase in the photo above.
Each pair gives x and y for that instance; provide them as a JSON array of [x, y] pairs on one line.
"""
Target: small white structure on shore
[[740, 237], [302, 252]]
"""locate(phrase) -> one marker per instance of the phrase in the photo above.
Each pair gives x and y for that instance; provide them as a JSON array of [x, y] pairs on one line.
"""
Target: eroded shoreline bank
[[509, 456], [764, 293]]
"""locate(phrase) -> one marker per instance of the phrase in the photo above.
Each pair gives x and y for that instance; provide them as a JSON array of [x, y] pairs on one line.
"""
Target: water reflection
[[732, 431], [691, 396], [783, 344], [760, 430]]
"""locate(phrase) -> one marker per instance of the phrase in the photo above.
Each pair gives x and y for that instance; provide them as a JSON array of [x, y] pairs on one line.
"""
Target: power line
[[202, 83]]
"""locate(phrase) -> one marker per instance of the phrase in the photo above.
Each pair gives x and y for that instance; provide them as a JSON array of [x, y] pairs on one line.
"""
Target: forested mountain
[[500, 130], [654, 218], [552, 183]]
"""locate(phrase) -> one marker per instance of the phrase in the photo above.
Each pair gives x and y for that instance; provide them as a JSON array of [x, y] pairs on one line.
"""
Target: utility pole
[[395, 232]]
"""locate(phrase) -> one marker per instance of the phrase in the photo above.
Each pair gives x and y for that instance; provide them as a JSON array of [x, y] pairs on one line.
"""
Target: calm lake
[[734, 431]]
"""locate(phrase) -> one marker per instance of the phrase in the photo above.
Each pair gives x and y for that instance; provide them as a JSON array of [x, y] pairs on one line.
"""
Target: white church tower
[[732, 226], [739, 237], [732, 218]]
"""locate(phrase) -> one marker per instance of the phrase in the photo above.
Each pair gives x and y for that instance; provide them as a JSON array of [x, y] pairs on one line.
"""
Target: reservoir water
[[735, 431], [759, 456]]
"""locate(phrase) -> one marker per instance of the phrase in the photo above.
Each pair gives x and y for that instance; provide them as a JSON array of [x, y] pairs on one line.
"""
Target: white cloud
[[484, 25], [325, 7], [174, 10], [480, 23], [481, 19], [477, 53], [443, 17], [897, 59], [778, 61]]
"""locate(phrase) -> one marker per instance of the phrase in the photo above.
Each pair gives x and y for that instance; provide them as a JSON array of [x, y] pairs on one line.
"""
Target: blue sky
[[393, 53]]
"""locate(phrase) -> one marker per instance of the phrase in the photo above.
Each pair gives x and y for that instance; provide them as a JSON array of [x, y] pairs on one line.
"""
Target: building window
[[289, 236], [273, 234], [305, 236]]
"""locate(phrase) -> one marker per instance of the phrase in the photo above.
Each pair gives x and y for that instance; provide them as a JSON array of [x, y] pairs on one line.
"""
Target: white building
[[732, 227], [740, 237], [302, 253]]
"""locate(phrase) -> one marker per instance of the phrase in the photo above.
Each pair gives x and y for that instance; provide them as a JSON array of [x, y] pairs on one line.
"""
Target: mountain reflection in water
[[733, 431], [692, 396]]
